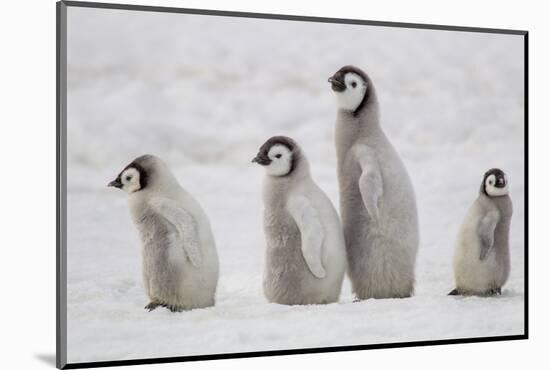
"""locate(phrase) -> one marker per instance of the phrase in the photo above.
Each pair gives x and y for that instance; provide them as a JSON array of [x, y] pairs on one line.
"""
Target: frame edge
[[288, 17], [61, 175], [526, 182]]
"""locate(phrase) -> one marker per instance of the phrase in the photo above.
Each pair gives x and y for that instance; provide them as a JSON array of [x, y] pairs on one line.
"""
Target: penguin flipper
[[184, 227], [311, 231], [486, 231], [370, 182]]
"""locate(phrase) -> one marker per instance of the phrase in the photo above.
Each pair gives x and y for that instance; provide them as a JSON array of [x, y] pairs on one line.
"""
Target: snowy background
[[203, 93]]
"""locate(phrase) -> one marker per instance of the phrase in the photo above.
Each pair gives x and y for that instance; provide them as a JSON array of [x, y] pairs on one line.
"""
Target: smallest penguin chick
[[482, 254], [305, 254]]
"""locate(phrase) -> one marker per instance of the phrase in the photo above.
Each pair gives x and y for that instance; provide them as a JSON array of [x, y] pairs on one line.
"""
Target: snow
[[203, 93]]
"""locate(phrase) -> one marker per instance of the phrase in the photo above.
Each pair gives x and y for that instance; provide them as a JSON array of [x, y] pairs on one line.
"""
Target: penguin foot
[[151, 306], [174, 308], [496, 291], [357, 300], [454, 292]]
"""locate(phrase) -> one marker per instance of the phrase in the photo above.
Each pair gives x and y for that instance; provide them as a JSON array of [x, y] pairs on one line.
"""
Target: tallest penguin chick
[[377, 200]]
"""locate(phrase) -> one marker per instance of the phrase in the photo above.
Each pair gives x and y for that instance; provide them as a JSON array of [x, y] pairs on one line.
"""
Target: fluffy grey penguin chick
[[305, 254], [482, 255], [377, 200], [180, 262]]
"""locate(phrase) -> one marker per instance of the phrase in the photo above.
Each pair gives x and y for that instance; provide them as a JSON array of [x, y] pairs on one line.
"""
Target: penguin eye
[[128, 178], [354, 84], [278, 155]]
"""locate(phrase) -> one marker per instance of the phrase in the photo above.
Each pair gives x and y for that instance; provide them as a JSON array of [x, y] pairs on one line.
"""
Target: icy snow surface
[[204, 93]]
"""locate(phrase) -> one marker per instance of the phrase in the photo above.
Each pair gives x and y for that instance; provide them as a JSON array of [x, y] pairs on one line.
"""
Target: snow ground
[[204, 93]]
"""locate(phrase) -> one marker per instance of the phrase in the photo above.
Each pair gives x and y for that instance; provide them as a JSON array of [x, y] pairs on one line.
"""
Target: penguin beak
[[261, 160], [336, 84], [501, 182], [115, 183]]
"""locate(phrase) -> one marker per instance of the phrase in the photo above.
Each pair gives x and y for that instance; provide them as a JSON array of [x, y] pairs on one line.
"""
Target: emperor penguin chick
[[482, 255], [377, 200], [180, 262], [305, 254]]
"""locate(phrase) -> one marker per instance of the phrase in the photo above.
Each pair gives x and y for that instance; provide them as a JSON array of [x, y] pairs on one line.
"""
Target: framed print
[[237, 184]]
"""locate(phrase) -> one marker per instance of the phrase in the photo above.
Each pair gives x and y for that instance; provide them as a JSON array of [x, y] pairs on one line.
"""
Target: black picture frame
[[61, 193]]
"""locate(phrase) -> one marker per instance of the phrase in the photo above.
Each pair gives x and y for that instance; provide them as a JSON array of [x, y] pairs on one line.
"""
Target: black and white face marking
[[277, 156], [281, 160], [132, 178], [350, 86], [495, 183]]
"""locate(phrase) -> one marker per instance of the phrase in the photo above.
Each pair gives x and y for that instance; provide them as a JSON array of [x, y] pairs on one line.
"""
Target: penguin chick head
[[277, 155], [133, 177], [495, 183], [350, 84]]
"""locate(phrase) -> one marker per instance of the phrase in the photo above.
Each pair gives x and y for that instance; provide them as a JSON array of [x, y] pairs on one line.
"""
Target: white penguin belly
[[472, 275]]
